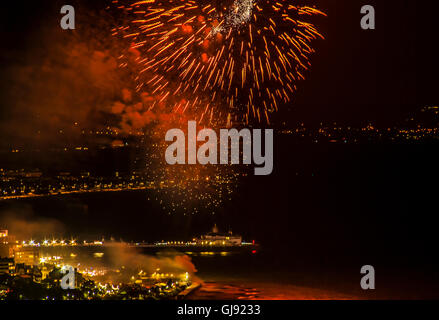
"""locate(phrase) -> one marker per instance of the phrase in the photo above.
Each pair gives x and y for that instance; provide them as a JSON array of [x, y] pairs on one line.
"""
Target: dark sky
[[376, 75], [356, 75]]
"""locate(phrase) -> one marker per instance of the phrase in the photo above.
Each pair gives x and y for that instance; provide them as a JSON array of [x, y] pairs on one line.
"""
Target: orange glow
[[187, 28]]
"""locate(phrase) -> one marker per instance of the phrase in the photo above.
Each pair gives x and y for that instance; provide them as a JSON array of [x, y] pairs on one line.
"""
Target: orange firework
[[236, 59]]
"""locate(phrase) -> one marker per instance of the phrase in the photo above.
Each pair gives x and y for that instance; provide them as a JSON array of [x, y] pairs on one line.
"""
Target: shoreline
[[33, 196], [188, 291]]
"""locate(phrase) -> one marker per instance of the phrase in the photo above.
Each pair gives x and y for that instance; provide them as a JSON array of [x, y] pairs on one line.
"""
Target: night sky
[[357, 75]]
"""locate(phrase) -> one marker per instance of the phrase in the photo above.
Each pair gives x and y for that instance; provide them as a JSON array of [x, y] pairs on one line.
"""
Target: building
[[7, 243], [6, 238], [26, 255], [5, 251], [24, 271], [215, 238], [37, 275], [7, 266], [44, 272]]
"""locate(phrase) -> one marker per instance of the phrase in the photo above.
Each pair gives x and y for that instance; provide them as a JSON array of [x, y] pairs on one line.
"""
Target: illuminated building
[[37, 275], [7, 266], [7, 243], [22, 269], [215, 238], [44, 272], [6, 238], [26, 255]]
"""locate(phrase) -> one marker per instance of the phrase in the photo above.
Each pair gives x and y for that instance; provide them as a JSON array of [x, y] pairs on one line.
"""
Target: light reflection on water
[[225, 274], [209, 253], [244, 290], [91, 255]]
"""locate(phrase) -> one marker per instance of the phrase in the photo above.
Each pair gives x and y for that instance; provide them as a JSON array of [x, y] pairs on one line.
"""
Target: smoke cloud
[[24, 225], [121, 255]]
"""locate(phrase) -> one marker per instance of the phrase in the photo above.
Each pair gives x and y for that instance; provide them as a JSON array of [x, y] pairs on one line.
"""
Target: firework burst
[[238, 60]]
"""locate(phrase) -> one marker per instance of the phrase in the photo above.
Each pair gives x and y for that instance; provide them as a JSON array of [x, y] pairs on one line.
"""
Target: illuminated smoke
[[24, 225]]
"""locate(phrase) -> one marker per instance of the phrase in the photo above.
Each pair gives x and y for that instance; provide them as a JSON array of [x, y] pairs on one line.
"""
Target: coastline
[[188, 291]]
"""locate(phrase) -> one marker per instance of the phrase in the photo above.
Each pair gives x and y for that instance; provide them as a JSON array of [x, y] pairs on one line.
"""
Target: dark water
[[325, 211], [262, 274]]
